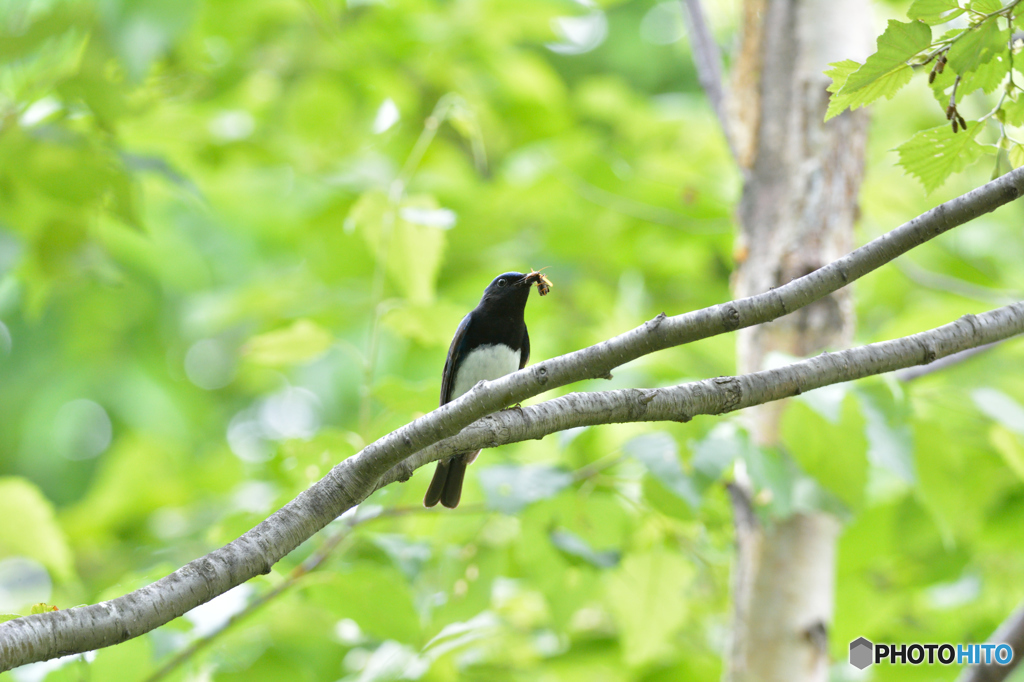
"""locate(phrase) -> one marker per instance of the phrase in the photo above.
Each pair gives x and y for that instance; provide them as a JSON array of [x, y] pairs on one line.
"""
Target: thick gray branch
[[722, 394], [1010, 632], [45, 636]]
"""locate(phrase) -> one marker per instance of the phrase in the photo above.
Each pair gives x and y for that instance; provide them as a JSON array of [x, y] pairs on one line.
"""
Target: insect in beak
[[537, 277]]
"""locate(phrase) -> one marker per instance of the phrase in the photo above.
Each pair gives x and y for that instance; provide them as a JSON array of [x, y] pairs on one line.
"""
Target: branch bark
[[76, 630], [722, 394], [912, 373]]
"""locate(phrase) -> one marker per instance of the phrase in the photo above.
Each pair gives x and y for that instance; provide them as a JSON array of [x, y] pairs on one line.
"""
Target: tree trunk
[[797, 213]]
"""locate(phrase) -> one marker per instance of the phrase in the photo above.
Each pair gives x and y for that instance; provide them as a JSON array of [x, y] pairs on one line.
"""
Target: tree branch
[[708, 60], [722, 394], [1011, 632], [912, 373], [44, 636]]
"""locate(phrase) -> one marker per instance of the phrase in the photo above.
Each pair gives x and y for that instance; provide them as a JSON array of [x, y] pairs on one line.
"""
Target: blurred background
[[236, 239]]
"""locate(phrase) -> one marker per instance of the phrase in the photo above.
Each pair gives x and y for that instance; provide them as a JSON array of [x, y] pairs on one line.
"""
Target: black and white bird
[[490, 342]]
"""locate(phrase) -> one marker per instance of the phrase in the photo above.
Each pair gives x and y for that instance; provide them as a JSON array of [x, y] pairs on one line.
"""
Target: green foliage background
[[235, 239]]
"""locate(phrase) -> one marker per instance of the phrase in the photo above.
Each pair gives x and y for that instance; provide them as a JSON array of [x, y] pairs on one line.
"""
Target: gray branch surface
[[912, 373], [76, 630], [723, 394]]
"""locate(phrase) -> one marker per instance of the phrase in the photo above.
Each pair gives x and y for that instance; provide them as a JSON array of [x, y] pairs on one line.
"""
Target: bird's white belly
[[484, 363]]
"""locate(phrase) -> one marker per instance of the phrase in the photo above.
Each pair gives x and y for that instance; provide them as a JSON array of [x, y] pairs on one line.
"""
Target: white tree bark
[[76, 630], [797, 212]]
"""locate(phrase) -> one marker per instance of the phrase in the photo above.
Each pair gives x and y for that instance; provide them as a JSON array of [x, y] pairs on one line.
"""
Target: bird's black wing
[[524, 351], [454, 352]]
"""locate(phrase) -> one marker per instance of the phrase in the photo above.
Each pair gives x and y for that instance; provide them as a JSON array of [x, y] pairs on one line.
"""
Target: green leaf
[[376, 596], [428, 324], [302, 342], [112, 662], [986, 77], [977, 46], [935, 11], [840, 73], [1016, 155], [409, 556], [716, 452], [453, 635], [890, 442], [41, 607], [509, 488], [409, 238], [1009, 447], [827, 401], [660, 454], [986, 6], [1001, 408], [30, 528], [833, 453], [884, 86], [1012, 111], [886, 71], [647, 595], [934, 154], [575, 546], [896, 45], [4, 617], [774, 477], [464, 120]]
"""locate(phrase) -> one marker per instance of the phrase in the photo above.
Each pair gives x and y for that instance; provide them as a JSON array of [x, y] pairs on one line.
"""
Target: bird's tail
[[446, 485]]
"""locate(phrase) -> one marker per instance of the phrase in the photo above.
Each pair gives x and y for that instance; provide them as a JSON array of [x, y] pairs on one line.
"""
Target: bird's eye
[[502, 282]]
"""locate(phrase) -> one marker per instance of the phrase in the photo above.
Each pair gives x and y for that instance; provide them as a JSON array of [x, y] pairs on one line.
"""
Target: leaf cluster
[[974, 56]]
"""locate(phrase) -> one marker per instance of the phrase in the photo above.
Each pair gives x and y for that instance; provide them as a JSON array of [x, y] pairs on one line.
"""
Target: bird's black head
[[507, 291]]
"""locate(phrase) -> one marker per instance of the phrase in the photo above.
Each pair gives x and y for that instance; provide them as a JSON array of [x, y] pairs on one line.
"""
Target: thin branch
[[312, 563], [708, 60], [300, 571], [317, 558], [640, 210], [722, 394], [75, 630], [1011, 632], [912, 373], [956, 286], [396, 193]]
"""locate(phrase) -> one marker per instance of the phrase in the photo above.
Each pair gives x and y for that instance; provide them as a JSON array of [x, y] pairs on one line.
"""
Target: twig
[[708, 60], [396, 192], [1011, 632], [638, 209], [312, 563], [911, 373], [596, 468], [954, 285]]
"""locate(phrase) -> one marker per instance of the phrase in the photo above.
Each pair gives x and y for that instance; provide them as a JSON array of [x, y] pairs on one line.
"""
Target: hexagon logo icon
[[861, 651]]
